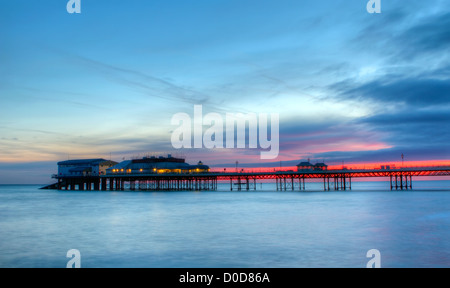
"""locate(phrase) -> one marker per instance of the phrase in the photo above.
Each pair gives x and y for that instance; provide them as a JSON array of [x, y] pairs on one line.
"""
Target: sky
[[349, 86]]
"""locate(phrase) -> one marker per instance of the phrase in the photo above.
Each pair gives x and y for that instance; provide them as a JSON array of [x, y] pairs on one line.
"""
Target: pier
[[333, 180]]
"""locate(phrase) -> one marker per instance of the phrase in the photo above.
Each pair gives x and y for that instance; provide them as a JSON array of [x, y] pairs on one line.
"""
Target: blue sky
[[348, 85]]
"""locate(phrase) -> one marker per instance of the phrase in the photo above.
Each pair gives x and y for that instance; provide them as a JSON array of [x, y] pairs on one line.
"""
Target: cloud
[[27, 173], [410, 153], [419, 134], [153, 86], [430, 35], [406, 34], [408, 95], [418, 128], [419, 92]]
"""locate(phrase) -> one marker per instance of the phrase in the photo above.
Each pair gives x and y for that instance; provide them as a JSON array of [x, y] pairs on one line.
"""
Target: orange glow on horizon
[[354, 166]]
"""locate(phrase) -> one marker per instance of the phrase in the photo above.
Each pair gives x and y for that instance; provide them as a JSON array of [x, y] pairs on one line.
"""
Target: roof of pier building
[[305, 164], [82, 162]]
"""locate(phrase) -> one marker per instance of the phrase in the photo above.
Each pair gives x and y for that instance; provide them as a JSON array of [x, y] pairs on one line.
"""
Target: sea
[[227, 229]]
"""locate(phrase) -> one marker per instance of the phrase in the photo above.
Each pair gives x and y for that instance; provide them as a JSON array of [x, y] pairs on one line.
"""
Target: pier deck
[[399, 179]]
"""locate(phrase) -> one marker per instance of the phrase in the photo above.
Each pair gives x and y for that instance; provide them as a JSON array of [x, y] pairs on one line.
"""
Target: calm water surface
[[227, 229]]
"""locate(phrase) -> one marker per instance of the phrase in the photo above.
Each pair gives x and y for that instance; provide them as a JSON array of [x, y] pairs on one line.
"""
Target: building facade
[[156, 165], [84, 168], [307, 166]]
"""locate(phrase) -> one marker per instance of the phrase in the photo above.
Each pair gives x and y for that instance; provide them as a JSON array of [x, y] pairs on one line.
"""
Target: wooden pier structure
[[399, 179]]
